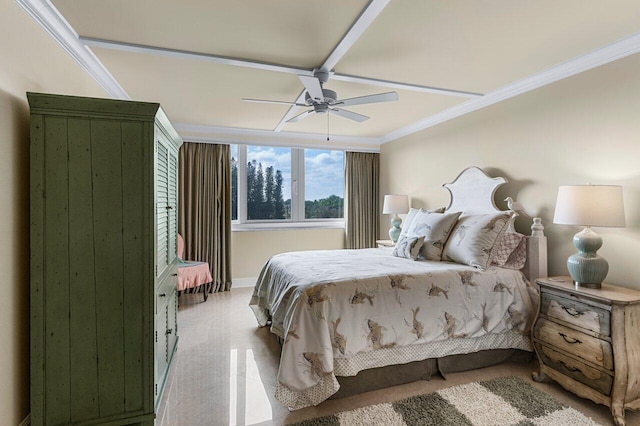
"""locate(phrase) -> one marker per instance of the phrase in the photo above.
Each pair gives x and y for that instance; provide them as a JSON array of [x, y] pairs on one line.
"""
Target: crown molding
[[617, 50], [50, 19], [221, 134]]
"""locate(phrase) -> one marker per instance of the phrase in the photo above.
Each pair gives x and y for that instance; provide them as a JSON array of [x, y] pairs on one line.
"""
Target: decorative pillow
[[518, 258], [406, 224], [473, 239], [435, 228], [505, 246], [408, 247]]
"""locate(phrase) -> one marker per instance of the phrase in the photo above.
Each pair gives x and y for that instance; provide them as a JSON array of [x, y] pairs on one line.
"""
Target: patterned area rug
[[506, 401]]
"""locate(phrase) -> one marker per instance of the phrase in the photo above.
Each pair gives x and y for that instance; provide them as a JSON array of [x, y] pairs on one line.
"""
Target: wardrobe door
[[166, 202], [162, 205], [91, 270], [172, 204]]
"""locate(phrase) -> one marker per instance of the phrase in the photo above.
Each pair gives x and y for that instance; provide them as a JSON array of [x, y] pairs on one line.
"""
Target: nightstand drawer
[[587, 347], [592, 377], [576, 312]]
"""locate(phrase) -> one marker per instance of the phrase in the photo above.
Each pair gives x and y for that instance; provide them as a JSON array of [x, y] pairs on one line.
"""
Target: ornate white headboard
[[472, 192]]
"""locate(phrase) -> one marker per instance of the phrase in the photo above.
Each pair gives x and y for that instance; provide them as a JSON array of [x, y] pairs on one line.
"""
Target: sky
[[324, 169]]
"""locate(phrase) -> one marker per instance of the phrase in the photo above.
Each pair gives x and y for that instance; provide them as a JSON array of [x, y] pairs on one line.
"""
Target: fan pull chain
[[328, 125]]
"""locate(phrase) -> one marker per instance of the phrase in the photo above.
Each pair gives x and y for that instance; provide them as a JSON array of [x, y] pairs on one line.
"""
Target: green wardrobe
[[103, 259]]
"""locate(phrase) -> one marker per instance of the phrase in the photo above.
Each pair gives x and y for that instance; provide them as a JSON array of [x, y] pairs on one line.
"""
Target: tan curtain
[[204, 218], [362, 176]]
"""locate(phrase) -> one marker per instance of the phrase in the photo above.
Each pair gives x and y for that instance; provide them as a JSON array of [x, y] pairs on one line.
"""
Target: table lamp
[[395, 204], [589, 205]]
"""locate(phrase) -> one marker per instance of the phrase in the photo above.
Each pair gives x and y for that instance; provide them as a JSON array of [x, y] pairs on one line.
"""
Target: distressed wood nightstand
[[385, 243], [588, 340]]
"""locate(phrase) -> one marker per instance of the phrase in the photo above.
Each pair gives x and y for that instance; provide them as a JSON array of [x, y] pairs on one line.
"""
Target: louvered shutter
[[162, 204]]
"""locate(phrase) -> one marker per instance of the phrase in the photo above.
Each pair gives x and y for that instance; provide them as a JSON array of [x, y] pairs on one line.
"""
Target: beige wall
[[579, 130], [251, 249], [31, 61]]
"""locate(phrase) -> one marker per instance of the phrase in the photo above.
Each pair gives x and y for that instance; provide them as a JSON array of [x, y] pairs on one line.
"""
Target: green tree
[[264, 192], [259, 189], [252, 200], [269, 187], [330, 207], [278, 200]]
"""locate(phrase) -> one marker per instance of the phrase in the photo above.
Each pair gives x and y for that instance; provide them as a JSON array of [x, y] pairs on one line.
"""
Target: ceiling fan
[[324, 100]]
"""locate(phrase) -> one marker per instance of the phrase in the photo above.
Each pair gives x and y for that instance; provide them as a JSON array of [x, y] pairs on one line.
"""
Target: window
[[268, 183], [274, 186], [323, 184]]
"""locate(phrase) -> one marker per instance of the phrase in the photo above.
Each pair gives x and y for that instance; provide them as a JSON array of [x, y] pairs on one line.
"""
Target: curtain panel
[[362, 177], [204, 215]]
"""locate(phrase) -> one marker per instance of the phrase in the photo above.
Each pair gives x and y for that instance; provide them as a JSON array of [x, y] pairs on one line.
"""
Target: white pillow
[[408, 247], [407, 222], [473, 239], [435, 228]]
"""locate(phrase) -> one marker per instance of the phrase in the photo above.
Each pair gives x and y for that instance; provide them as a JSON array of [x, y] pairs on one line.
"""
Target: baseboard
[[244, 282], [26, 421]]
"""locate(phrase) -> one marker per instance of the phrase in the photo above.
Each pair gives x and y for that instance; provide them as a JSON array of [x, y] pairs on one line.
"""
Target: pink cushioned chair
[[192, 274]]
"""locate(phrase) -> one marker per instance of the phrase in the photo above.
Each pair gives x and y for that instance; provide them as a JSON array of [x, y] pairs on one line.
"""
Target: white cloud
[[324, 174]]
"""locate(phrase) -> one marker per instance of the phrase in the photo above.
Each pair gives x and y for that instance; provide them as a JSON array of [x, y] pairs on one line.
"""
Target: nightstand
[[385, 243], [588, 340]]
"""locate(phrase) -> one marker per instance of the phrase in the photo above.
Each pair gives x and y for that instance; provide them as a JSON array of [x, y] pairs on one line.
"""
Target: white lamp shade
[[398, 204], [590, 205]]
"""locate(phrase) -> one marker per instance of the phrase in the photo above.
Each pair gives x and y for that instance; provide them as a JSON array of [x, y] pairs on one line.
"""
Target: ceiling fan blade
[[300, 116], [312, 84], [369, 99], [349, 114], [264, 101]]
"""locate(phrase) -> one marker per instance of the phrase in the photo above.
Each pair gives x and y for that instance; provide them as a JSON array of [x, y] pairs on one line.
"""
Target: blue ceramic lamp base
[[586, 267], [394, 231]]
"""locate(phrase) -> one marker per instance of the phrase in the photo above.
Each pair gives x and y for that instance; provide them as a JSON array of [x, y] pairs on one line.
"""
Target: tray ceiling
[[460, 45]]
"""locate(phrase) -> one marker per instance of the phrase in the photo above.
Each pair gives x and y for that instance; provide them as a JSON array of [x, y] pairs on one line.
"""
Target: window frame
[[298, 219]]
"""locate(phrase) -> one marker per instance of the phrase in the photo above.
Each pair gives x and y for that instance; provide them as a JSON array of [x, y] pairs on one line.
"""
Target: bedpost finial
[[537, 229]]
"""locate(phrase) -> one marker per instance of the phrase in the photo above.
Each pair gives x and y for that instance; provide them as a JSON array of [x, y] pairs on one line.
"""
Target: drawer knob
[[169, 331], [163, 295], [569, 340], [572, 311]]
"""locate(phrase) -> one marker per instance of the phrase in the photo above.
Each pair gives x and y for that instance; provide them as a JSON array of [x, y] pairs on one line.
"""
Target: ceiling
[[181, 54]]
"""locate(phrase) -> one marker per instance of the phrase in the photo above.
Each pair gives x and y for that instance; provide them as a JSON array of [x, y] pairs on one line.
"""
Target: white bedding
[[341, 311]]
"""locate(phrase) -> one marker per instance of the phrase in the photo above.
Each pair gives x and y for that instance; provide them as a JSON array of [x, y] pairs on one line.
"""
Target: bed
[[354, 320]]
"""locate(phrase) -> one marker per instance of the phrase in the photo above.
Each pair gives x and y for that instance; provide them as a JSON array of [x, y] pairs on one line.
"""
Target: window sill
[[284, 226]]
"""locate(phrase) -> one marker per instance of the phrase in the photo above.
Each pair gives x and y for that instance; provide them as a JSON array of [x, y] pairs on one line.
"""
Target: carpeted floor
[[505, 401]]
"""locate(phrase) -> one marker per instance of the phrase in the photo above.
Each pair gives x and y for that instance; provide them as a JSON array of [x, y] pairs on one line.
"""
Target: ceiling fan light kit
[[325, 100]]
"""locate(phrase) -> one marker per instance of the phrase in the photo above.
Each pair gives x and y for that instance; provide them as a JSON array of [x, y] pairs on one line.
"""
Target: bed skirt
[[393, 375]]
